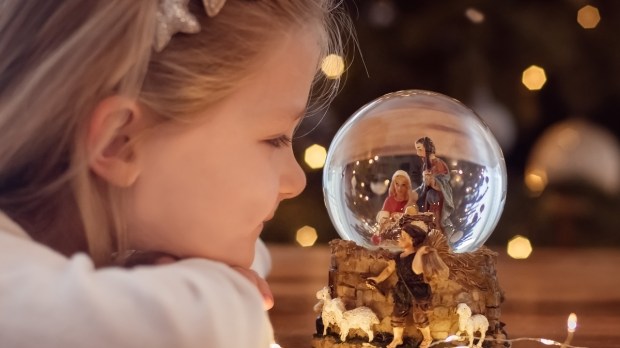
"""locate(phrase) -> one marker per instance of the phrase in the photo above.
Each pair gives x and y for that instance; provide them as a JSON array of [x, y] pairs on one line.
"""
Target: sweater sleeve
[[51, 301]]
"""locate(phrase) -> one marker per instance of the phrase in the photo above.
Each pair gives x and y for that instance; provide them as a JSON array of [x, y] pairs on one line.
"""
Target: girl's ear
[[110, 140]]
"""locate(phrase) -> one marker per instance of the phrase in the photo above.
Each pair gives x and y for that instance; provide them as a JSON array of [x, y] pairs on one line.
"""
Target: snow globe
[[414, 183], [385, 136]]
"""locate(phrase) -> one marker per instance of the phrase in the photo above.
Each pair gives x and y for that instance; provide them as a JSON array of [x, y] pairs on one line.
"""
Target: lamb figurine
[[471, 324], [334, 313], [359, 318], [332, 309]]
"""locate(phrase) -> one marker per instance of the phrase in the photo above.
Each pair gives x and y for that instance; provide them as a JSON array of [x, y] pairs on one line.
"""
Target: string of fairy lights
[[571, 326]]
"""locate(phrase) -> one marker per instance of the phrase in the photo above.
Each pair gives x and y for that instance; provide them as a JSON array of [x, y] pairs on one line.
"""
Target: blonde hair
[[60, 58], [392, 188]]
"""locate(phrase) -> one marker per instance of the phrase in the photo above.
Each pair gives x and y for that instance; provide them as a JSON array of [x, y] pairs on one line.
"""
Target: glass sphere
[[417, 152]]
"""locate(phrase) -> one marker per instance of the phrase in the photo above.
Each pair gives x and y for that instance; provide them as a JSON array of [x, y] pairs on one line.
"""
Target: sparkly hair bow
[[173, 16]]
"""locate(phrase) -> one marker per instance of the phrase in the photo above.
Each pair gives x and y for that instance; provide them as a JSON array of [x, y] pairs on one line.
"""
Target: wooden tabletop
[[541, 292]]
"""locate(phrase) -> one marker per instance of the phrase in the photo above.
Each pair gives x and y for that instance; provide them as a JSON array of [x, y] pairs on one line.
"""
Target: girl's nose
[[293, 179]]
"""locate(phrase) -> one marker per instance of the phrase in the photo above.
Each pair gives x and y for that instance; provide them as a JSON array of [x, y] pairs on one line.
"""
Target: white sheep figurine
[[471, 324], [359, 318], [334, 313], [332, 309]]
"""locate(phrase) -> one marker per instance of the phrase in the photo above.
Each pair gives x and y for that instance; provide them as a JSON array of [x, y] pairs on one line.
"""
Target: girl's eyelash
[[280, 141]]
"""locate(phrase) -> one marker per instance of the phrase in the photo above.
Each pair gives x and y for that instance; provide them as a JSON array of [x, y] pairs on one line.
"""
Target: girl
[[158, 126]]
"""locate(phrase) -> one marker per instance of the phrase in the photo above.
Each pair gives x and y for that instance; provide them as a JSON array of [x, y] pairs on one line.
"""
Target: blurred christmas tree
[[477, 52]]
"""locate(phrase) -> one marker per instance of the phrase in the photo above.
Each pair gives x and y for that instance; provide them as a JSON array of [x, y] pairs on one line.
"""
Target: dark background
[[433, 45]]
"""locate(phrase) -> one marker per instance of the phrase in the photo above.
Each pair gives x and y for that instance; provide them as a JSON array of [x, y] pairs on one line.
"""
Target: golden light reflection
[[306, 236], [333, 66], [474, 15], [569, 138], [315, 156], [534, 78], [519, 247], [536, 181], [571, 323], [588, 17]]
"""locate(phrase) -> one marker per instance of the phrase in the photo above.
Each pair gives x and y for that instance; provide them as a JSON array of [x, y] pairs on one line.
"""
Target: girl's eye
[[280, 141]]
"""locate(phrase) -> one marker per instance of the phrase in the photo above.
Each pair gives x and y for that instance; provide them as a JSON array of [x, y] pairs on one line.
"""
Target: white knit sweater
[[48, 300]]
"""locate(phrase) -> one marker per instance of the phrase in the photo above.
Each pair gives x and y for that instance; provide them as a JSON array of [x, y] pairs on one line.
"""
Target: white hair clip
[[173, 16]]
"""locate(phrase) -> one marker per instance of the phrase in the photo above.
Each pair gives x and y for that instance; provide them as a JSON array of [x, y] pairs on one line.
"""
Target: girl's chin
[[243, 254]]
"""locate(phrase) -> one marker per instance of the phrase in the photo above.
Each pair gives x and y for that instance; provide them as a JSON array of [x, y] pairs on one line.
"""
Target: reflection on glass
[[380, 139]]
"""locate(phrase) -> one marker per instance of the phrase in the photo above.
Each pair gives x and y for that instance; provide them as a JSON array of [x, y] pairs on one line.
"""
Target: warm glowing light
[[306, 236], [376, 158], [534, 78], [333, 66], [371, 161], [569, 139], [387, 182], [547, 342], [536, 181], [571, 324], [379, 187], [519, 247], [315, 156], [366, 198], [474, 15], [451, 338], [458, 179], [362, 184], [588, 17]]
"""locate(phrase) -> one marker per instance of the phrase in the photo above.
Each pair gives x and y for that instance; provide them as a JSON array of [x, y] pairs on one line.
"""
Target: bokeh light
[[534, 78], [571, 323], [314, 156], [588, 17], [575, 150], [333, 66], [519, 247], [306, 236], [474, 15], [536, 181]]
